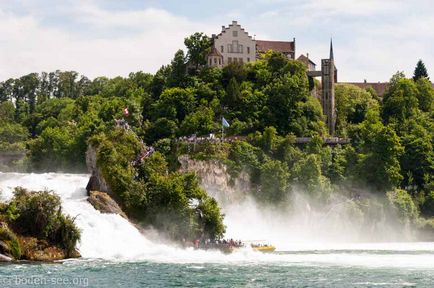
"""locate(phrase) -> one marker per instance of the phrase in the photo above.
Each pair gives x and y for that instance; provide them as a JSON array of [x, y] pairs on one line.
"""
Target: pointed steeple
[[331, 49]]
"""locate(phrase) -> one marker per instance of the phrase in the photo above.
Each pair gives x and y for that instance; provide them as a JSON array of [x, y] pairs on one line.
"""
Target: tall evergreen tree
[[420, 71]]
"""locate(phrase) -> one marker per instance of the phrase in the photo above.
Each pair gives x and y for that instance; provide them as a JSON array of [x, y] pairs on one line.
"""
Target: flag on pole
[[225, 123], [125, 112]]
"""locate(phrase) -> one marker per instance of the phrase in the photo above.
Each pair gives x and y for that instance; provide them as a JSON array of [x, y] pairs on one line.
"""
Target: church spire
[[331, 49]]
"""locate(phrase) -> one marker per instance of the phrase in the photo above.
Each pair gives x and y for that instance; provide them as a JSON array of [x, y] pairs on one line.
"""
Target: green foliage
[[380, 149], [200, 122], [425, 95], [12, 133], [404, 205], [420, 71], [54, 116], [56, 147], [171, 202], [198, 46], [306, 173], [7, 112], [352, 104], [39, 214], [11, 240], [274, 182], [175, 104], [400, 101]]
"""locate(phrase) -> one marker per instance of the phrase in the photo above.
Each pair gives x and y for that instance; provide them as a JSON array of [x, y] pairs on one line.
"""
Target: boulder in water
[[104, 203]]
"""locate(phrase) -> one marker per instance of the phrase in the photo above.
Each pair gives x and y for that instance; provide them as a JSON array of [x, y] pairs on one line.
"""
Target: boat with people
[[229, 246], [263, 247]]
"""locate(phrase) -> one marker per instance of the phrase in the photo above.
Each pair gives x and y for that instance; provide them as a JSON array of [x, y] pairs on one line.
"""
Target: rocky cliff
[[215, 179], [96, 181]]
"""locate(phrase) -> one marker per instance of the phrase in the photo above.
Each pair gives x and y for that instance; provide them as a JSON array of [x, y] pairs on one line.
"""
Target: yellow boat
[[263, 248]]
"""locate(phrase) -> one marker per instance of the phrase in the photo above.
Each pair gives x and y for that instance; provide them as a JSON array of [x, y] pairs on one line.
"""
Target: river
[[115, 254]]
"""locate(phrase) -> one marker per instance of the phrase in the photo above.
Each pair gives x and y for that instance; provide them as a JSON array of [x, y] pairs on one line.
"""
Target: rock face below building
[[102, 202], [216, 180]]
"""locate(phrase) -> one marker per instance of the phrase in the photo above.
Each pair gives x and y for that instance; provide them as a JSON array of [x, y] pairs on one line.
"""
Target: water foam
[[111, 237]]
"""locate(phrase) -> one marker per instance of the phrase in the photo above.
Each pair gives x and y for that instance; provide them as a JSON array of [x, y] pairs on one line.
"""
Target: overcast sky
[[372, 38]]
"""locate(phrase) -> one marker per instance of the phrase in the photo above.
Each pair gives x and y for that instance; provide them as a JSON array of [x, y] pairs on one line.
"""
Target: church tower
[[328, 79]]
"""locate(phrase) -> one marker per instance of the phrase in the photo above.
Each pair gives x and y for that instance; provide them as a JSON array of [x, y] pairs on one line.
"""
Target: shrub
[[39, 214]]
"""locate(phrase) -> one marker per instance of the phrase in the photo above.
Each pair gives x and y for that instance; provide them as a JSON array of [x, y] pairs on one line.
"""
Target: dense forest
[[52, 117]]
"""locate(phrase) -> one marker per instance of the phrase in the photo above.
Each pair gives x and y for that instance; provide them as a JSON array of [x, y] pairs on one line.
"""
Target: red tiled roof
[[278, 46]]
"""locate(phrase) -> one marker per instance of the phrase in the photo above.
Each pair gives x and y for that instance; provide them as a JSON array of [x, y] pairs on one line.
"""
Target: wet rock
[[93, 184], [5, 258], [96, 181], [104, 203]]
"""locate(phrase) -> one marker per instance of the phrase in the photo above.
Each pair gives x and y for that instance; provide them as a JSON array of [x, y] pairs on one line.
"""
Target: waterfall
[[103, 236]]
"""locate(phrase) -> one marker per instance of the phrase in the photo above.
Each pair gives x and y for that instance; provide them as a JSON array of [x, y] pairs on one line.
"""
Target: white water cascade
[[103, 236], [111, 237]]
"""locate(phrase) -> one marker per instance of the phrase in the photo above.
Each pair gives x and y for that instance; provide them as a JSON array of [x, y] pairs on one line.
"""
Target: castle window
[[234, 47], [240, 60], [215, 60], [221, 48], [248, 50], [229, 48], [248, 59], [235, 60], [240, 48], [235, 33], [210, 61], [229, 60], [220, 61]]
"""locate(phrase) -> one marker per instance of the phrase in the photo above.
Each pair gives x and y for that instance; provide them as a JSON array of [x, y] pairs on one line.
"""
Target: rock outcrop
[[102, 202], [5, 258], [34, 249], [96, 181], [215, 179]]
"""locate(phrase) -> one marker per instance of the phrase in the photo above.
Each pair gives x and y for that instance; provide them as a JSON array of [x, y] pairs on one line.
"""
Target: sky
[[372, 39]]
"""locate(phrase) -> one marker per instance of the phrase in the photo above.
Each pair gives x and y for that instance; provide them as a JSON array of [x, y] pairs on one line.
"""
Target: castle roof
[[230, 26], [305, 60], [214, 52], [277, 46]]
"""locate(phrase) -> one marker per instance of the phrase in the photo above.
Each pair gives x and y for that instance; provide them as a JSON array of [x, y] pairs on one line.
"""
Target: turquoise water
[[116, 254], [284, 269]]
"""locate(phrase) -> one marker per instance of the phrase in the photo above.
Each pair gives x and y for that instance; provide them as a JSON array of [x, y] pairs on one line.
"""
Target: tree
[[425, 94], [420, 71], [352, 104], [178, 73], [274, 181], [175, 104], [198, 46], [418, 158], [233, 93], [380, 151], [400, 101]]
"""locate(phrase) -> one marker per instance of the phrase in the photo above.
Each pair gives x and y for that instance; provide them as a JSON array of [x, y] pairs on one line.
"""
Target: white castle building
[[235, 45]]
